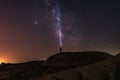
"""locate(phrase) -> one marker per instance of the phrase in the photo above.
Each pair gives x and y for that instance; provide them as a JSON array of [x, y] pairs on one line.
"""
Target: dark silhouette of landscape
[[91, 65]]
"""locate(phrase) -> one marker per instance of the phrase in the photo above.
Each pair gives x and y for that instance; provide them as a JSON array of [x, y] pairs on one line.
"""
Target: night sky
[[28, 29]]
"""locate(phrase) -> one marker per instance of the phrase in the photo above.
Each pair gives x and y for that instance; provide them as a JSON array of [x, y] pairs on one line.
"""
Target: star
[[35, 22]]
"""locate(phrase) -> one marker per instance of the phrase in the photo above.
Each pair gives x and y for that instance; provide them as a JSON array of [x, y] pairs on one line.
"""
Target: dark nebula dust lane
[[28, 29]]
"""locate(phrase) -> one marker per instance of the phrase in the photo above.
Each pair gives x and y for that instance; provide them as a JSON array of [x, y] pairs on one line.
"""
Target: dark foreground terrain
[[91, 65]]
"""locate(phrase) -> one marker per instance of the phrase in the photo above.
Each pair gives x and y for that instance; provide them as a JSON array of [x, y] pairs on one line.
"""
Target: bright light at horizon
[[8, 56], [2, 60]]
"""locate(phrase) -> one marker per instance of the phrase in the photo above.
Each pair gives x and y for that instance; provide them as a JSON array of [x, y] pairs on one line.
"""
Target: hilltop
[[74, 64], [68, 60], [77, 58], [107, 69]]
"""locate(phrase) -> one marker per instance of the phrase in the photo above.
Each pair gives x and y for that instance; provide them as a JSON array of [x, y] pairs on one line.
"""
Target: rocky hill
[[68, 60], [108, 69], [21, 71], [91, 65], [77, 58]]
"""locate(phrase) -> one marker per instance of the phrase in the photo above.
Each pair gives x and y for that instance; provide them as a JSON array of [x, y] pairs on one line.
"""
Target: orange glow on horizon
[[2, 60], [7, 57], [7, 60]]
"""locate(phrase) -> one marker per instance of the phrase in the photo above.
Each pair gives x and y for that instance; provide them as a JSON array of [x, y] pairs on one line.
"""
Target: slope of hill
[[64, 66], [68, 60], [21, 71], [77, 58], [108, 69]]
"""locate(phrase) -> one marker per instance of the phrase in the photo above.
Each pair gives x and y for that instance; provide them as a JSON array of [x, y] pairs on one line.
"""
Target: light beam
[[58, 15]]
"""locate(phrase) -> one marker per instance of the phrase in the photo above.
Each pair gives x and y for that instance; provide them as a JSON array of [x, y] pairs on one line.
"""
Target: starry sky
[[28, 29]]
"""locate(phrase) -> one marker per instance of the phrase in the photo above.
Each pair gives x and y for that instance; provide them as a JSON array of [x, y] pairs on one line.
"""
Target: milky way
[[57, 13], [28, 28]]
